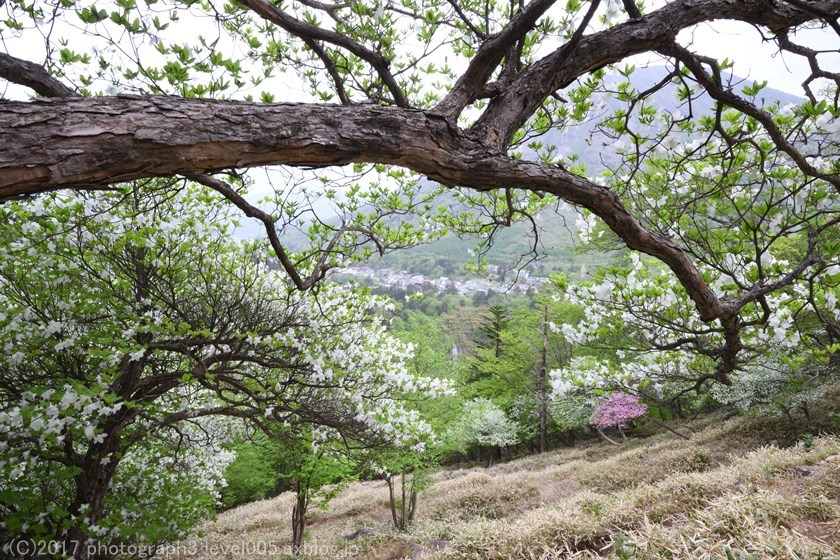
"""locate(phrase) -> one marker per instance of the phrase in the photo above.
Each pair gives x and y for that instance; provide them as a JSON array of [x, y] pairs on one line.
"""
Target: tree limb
[[308, 31], [488, 57], [94, 141], [33, 76], [631, 9], [507, 112], [251, 211], [461, 14], [329, 65]]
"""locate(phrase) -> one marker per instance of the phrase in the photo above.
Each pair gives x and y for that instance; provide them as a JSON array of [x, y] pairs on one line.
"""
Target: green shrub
[[252, 476]]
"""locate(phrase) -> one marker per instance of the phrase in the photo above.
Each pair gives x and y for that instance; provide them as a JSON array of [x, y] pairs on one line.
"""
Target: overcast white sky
[[760, 60]]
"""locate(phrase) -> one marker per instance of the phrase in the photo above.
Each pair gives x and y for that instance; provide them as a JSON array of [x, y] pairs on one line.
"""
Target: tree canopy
[[148, 341], [735, 194]]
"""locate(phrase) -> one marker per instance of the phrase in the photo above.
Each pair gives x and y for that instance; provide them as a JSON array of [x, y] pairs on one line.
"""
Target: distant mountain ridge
[[580, 140]]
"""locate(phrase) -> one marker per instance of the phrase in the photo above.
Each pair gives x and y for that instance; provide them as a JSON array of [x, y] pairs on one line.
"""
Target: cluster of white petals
[[146, 339]]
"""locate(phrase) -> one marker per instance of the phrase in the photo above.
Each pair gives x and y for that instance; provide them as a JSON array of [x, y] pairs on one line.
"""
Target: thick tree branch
[[33, 76], [56, 144], [83, 143], [488, 57], [828, 17], [507, 112]]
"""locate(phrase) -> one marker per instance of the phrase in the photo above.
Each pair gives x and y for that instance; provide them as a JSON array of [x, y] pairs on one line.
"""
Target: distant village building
[[389, 278]]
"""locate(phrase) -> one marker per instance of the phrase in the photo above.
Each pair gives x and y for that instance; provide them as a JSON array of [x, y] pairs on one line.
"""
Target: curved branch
[[829, 18], [306, 31], [252, 211], [716, 90], [470, 25], [488, 57], [329, 65], [506, 113], [58, 144], [322, 266], [33, 76]]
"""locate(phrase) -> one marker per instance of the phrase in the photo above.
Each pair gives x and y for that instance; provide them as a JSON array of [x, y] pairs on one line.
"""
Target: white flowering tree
[[762, 233], [641, 318], [485, 426], [768, 387], [137, 337]]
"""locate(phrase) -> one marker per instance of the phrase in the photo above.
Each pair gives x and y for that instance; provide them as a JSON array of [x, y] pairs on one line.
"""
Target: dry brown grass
[[720, 494]]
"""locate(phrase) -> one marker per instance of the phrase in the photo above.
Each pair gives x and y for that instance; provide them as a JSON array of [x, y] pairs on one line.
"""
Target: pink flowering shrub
[[617, 409]]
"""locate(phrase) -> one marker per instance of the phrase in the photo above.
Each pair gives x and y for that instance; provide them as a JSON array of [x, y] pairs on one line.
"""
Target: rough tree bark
[[299, 517], [91, 142]]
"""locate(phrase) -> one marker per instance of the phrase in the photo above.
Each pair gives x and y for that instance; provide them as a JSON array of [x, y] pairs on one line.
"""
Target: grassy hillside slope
[[722, 493]]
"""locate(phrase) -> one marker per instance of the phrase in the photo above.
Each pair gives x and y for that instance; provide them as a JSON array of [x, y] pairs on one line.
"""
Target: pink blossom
[[617, 409]]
